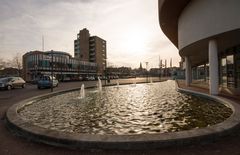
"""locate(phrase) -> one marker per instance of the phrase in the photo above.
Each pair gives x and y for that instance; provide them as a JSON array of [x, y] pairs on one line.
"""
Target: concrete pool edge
[[124, 142]]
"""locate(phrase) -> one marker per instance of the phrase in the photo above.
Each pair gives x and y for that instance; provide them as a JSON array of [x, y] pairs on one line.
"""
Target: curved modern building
[[62, 64], [206, 32]]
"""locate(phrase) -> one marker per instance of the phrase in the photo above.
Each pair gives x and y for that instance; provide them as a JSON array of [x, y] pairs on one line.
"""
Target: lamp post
[[52, 70], [105, 71], [147, 71], [36, 68], [160, 68]]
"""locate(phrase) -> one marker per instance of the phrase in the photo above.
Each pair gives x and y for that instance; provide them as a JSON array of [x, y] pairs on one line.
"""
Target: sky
[[131, 29]]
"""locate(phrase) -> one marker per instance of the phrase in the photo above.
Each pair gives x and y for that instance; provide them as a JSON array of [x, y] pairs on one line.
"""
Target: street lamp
[[52, 70], [160, 68], [36, 70], [147, 71], [105, 71]]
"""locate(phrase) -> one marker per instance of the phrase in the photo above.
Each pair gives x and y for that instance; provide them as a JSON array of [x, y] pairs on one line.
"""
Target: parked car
[[47, 82], [103, 78], [80, 78], [11, 82], [91, 78]]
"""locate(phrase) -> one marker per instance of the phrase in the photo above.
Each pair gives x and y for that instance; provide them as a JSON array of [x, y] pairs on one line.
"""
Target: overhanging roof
[[169, 12]]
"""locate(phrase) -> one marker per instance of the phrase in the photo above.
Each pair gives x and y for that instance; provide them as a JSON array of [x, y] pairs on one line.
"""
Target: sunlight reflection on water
[[144, 108]]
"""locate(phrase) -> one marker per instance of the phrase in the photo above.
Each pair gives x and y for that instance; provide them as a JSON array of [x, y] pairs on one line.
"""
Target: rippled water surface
[[128, 109]]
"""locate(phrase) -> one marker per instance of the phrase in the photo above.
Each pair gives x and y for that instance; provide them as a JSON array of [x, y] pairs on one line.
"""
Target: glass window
[[224, 72], [237, 63], [230, 71]]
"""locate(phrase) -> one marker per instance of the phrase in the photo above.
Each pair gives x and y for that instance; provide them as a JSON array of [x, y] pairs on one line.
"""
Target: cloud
[[131, 28]]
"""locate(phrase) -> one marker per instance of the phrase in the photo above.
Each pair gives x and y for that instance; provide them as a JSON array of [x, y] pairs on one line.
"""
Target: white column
[[188, 71], [213, 67]]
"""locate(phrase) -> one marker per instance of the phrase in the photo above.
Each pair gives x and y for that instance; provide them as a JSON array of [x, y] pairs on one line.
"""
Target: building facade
[[81, 45], [92, 49], [207, 34], [98, 53], [63, 65]]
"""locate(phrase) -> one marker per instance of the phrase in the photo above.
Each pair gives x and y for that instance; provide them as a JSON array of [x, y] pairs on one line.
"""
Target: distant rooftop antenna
[[146, 65], [171, 63]]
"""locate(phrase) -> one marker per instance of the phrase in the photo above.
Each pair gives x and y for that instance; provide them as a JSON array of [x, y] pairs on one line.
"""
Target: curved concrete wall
[[205, 18]]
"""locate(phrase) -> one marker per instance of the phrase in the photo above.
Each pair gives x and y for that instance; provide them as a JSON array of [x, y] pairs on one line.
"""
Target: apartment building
[[92, 49]]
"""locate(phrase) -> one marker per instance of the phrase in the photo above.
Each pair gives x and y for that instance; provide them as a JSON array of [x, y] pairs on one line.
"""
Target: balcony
[[92, 54], [92, 59], [92, 45], [92, 49], [92, 39]]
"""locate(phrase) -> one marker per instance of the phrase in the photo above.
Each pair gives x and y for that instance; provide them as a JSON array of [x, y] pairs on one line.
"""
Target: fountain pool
[[125, 110], [146, 116]]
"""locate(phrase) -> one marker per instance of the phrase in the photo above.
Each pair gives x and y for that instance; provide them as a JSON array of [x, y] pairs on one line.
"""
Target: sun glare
[[136, 40]]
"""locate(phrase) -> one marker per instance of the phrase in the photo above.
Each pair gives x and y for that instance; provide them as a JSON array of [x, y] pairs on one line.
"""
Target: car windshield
[[47, 78]]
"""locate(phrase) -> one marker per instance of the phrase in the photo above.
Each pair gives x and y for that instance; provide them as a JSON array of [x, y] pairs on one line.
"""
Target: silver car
[[11, 82]]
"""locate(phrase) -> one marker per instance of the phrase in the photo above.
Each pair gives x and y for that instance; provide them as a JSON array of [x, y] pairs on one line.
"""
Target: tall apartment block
[[91, 49], [81, 45]]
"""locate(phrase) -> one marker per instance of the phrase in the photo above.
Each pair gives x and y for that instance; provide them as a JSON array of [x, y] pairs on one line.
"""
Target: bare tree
[[17, 62]]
